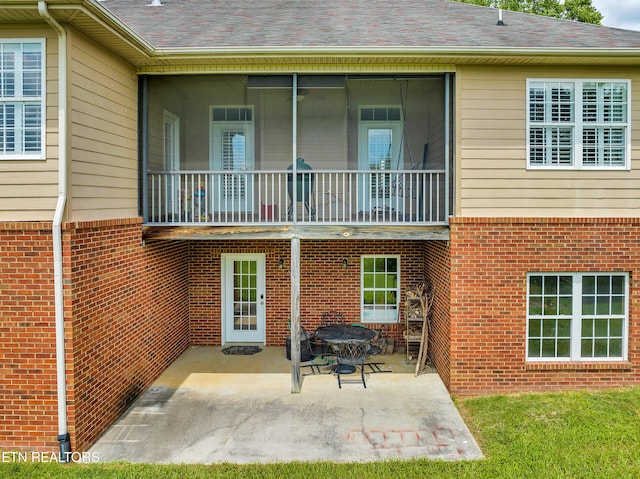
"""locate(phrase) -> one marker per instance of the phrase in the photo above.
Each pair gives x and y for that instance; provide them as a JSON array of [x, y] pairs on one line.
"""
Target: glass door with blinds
[[232, 151], [380, 141]]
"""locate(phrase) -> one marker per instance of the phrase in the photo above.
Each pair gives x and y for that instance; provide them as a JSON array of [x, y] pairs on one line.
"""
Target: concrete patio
[[208, 407]]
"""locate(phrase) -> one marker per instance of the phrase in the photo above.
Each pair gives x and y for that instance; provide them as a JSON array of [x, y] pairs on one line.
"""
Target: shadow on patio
[[208, 407]]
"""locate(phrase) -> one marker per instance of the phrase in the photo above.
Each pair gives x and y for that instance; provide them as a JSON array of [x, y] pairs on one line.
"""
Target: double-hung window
[[22, 94], [578, 124], [577, 317], [380, 284]]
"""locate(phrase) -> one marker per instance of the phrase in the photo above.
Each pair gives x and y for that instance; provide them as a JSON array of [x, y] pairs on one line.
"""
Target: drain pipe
[[63, 431]]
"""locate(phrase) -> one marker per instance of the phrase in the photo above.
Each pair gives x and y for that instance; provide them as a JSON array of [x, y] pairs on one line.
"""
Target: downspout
[[63, 432]]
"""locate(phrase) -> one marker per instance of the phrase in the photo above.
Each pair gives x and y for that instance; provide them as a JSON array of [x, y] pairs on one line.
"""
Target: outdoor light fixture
[[281, 263], [345, 263]]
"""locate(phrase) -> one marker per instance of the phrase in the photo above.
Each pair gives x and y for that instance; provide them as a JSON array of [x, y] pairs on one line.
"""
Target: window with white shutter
[[22, 81], [578, 124]]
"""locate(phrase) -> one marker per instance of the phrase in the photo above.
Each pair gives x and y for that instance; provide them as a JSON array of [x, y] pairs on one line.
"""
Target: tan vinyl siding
[[493, 179], [103, 120], [29, 188]]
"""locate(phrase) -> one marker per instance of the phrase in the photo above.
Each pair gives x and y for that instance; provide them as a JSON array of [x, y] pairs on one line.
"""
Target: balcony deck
[[394, 204]]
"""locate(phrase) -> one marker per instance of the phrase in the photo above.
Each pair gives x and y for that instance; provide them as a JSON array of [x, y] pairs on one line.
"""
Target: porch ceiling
[[328, 232]]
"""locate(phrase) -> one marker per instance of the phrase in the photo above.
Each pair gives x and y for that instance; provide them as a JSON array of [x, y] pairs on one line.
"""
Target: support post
[[295, 315]]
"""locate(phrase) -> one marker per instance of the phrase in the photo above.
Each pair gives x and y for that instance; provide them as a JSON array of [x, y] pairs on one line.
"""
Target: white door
[[243, 301], [232, 150], [380, 149]]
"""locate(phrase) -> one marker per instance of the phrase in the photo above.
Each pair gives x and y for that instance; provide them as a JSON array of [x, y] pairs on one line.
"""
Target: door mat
[[241, 350]]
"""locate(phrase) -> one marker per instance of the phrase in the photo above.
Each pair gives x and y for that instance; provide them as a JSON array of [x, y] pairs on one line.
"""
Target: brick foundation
[[490, 259], [28, 406]]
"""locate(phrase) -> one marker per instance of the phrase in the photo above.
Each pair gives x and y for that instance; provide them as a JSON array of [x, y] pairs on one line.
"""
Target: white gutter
[[63, 432], [434, 50]]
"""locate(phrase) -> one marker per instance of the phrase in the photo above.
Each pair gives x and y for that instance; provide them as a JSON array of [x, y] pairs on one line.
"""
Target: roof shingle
[[187, 24]]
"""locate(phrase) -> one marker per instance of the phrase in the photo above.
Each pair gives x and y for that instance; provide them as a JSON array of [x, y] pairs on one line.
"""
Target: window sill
[[582, 366]]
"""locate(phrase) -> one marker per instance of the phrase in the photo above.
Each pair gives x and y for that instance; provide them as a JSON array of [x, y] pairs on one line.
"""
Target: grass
[[556, 435]]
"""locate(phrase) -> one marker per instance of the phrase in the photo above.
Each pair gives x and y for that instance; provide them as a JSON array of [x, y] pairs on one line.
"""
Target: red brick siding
[[130, 314], [205, 287], [28, 406], [489, 262], [437, 271], [126, 320], [325, 284]]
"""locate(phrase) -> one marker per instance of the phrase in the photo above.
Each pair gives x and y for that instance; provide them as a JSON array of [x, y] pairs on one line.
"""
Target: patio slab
[[211, 408]]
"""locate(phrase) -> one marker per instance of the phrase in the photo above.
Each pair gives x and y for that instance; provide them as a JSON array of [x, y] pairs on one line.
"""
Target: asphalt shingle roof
[[182, 24]]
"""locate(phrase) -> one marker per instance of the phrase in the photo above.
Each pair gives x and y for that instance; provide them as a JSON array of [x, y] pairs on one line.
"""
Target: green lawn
[[560, 435]]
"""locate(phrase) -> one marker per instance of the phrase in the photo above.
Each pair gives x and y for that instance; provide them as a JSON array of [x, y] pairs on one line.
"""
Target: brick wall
[[437, 271], [325, 284], [205, 288], [489, 262], [28, 406], [126, 320], [130, 313], [132, 309]]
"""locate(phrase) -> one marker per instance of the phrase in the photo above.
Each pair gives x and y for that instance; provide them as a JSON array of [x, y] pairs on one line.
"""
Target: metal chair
[[350, 355], [314, 352]]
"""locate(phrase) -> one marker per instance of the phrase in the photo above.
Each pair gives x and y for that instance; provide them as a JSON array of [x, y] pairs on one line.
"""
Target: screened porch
[[287, 149]]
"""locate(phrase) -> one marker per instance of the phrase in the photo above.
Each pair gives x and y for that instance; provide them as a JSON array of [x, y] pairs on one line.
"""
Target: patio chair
[[350, 355], [313, 352]]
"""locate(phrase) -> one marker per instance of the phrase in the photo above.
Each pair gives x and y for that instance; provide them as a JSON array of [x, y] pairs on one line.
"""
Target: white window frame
[[20, 100], [388, 315], [232, 192], [171, 141], [578, 125], [373, 187], [216, 129], [576, 317]]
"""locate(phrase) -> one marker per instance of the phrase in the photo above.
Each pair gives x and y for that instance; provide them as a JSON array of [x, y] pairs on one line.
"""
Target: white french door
[[243, 301], [379, 149], [232, 149]]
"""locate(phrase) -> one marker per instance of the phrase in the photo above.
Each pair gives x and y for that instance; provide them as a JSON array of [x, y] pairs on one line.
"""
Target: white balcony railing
[[398, 197]]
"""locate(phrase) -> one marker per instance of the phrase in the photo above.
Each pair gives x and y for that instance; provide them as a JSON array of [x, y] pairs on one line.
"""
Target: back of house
[[182, 173]]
